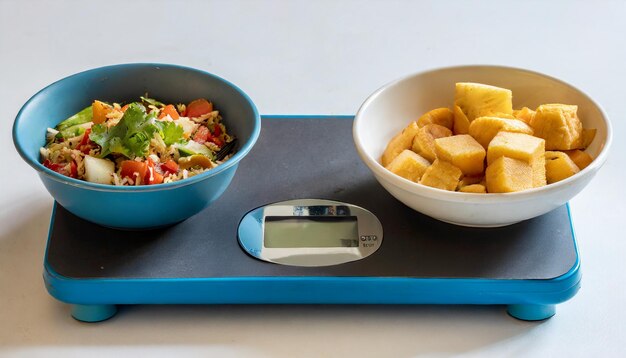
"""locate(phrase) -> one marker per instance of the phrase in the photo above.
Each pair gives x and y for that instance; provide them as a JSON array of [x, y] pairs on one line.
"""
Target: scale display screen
[[310, 231]]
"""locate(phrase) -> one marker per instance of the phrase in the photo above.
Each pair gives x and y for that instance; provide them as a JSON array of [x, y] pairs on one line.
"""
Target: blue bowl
[[142, 207]]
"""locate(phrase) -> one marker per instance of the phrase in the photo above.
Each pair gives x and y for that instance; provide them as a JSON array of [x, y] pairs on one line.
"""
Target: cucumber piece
[[99, 170], [84, 116], [184, 152], [192, 148], [152, 101], [73, 131]]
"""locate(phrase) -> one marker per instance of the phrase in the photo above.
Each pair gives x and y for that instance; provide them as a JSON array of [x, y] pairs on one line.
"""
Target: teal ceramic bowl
[[141, 207]]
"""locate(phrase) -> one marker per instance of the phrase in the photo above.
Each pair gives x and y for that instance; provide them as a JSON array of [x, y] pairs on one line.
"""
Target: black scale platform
[[311, 158]]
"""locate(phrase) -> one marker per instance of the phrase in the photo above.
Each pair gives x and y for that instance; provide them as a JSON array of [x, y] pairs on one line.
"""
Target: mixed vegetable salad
[[140, 143]]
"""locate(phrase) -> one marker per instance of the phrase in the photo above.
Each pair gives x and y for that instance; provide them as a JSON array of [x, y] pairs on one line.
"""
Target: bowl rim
[[234, 160], [475, 198]]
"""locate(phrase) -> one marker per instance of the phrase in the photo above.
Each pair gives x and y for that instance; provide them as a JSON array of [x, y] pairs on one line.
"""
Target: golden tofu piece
[[409, 165], [580, 158], [469, 180], [400, 142], [477, 100], [507, 175], [461, 123], [559, 166], [559, 125], [441, 175], [502, 115], [523, 147], [483, 129], [588, 136], [515, 145], [525, 114], [463, 151], [441, 116], [424, 141], [474, 188]]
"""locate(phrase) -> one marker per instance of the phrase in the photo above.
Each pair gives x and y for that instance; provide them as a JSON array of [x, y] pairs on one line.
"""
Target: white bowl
[[391, 108]]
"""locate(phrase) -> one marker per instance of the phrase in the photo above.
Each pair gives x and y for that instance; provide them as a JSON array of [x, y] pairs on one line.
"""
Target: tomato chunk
[[169, 167], [61, 168], [202, 135], [198, 107], [86, 144], [215, 137], [85, 139], [169, 110], [73, 169], [152, 176], [134, 170], [158, 178], [217, 130], [56, 167]]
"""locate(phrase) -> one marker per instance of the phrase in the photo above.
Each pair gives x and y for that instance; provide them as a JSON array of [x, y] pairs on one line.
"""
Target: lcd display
[[310, 231]]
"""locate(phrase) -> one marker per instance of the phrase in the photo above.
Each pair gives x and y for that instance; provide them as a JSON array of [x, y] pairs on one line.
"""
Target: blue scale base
[[530, 266]]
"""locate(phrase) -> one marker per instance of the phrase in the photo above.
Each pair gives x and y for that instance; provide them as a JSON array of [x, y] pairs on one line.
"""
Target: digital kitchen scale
[[305, 222]]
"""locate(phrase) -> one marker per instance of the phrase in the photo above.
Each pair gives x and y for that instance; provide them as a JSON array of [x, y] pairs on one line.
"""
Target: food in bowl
[[388, 110], [144, 142], [136, 206], [483, 145]]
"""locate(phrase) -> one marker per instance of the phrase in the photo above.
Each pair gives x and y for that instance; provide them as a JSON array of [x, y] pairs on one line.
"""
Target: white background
[[313, 57]]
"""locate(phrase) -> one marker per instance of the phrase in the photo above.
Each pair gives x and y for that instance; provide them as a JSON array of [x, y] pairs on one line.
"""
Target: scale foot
[[93, 313], [531, 312]]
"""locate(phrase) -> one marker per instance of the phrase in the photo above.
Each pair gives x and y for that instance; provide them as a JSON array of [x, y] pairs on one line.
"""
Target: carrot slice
[[198, 107], [169, 110]]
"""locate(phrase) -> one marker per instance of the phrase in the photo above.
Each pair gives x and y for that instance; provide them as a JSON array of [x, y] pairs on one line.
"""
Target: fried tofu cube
[[463, 151], [441, 116], [424, 141], [507, 175], [525, 114], [483, 129], [502, 115], [461, 123], [559, 125], [559, 166], [441, 175], [580, 158], [409, 165], [400, 142], [523, 147], [477, 99], [587, 137], [474, 188], [469, 180]]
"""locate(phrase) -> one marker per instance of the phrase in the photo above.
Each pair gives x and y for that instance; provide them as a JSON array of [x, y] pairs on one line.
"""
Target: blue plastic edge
[[314, 290]]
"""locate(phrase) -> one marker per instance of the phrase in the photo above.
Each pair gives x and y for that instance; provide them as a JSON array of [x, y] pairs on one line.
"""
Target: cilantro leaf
[[130, 137], [170, 132]]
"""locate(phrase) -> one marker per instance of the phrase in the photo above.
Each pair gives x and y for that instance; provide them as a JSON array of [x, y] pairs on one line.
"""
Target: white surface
[[313, 57], [412, 96]]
